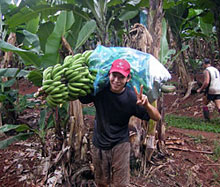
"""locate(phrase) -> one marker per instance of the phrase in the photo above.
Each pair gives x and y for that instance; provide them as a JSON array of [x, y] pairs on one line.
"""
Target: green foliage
[[216, 154], [28, 56], [193, 123], [195, 64], [21, 136], [24, 131], [85, 33], [9, 96], [89, 111], [24, 103], [165, 52], [63, 24], [198, 139], [35, 77]]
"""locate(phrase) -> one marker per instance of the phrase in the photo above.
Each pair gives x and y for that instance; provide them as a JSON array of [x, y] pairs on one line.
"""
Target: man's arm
[[205, 82], [143, 100], [86, 99], [151, 110]]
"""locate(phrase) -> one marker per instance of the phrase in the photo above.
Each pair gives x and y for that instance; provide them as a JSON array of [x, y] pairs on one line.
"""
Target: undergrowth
[[193, 123]]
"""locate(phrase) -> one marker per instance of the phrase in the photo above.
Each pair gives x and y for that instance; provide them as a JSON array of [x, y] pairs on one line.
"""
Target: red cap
[[121, 66]]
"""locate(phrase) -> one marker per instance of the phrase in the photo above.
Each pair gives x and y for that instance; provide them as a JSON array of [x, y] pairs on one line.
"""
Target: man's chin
[[116, 89]]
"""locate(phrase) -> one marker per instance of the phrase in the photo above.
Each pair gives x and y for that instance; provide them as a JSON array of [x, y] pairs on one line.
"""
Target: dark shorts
[[212, 97], [112, 166]]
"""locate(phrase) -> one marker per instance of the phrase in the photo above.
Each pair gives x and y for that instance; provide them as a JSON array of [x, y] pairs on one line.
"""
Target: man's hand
[[141, 98]]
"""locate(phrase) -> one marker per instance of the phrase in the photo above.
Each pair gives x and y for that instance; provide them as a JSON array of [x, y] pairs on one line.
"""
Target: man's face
[[204, 66], [117, 82]]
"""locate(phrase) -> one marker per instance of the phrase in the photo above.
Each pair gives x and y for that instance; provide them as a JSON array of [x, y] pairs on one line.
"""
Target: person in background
[[115, 104], [211, 85]]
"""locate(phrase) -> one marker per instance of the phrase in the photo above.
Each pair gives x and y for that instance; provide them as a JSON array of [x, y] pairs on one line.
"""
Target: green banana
[[49, 89], [81, 68], [76, 56], [44, 87], [77, 84], [57, 78], [55, 91], [62, 86], [74, 94], [48, 75], [71, 76], [68, 72], [79, 60], [87, 53], [50, 102], [85, 73], [60, 72], [73, 89], [75, 78], [56, 83], [67, 59], [55, 100], [82, 92], [58, 95], [45, 72], [56, 69], [47, 82], [69, 80], [86, 87], [91, 77], [75, 66], [84, 80]]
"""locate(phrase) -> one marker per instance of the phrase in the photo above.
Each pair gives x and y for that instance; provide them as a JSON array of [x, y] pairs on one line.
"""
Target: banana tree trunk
[[76, 129], [155, 29], [148, 40]]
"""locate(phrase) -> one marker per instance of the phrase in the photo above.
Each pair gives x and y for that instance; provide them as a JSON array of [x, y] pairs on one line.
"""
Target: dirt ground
[[188, 161]]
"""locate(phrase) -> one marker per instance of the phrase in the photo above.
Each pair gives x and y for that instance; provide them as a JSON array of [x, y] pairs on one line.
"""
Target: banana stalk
[[150, 137]]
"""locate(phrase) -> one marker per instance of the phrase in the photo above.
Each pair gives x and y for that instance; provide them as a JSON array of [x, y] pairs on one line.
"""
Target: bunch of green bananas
[[69, 81]]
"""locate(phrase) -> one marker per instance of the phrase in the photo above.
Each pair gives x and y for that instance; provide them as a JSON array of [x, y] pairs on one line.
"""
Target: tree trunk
[[77, 126], [155, 25], [217, 24], [148, 41]]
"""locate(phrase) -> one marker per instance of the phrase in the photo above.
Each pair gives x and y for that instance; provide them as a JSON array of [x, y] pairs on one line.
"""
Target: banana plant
[[24, 131], [165, 53]]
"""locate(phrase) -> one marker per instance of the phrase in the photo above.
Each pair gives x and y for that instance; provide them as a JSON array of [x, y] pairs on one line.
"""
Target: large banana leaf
[[26, 14], [18, 128], [127, 15], [31, 40], [13, 72], [64, 22], [85, 32], [28, 56], [165, 52]]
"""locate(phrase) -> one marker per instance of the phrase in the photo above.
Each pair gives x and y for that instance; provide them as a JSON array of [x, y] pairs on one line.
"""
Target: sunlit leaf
[[126, 15], [85, 32]]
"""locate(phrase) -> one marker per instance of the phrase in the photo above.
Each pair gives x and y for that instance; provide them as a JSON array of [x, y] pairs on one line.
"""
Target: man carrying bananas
[[115, 104]]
